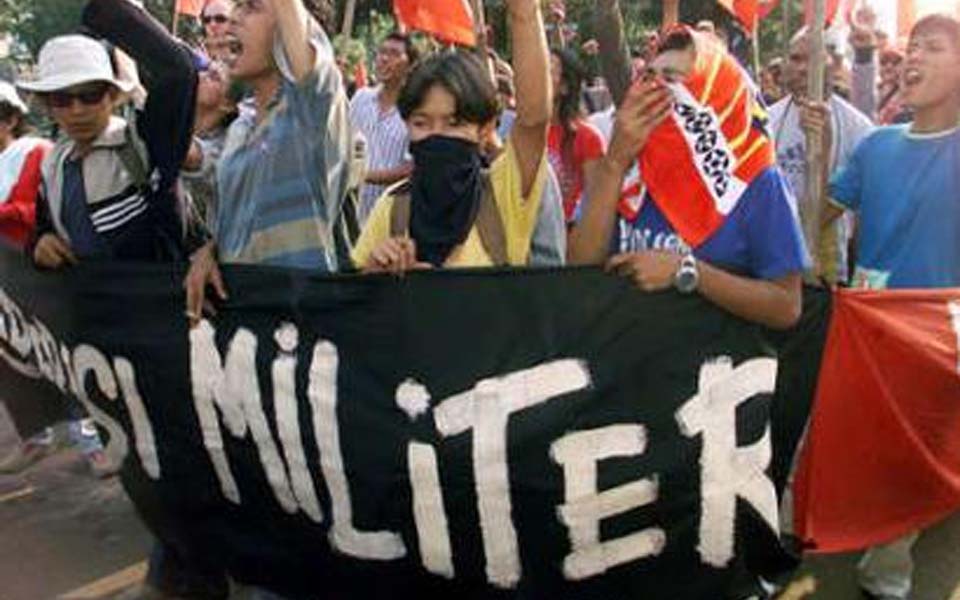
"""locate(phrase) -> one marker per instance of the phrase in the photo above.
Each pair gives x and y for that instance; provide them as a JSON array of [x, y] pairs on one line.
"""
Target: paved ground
[[65, 535]]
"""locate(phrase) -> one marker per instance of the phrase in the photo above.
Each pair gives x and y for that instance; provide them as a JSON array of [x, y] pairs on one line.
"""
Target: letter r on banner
[[729, 472]]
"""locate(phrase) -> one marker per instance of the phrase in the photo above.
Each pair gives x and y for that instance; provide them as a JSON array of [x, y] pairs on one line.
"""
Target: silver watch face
[[686, 281]]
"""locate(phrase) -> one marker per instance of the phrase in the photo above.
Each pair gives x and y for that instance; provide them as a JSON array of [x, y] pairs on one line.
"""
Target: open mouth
[[912, 77], [235, 46]]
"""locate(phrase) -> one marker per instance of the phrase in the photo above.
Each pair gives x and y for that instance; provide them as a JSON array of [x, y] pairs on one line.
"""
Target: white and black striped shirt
[[387, 140]]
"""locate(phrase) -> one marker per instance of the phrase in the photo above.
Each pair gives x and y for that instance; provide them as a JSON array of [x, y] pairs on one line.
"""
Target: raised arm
[[294, 30], [531, 63], [614, 54], [645, 106], [169, 76]]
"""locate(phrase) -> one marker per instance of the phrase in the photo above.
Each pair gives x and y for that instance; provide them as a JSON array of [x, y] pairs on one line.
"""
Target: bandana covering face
[[445, 194], [699, 162]]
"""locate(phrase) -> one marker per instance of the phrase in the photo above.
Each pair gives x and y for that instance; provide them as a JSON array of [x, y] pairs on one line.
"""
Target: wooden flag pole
[[757, 66], [349, 12], [176, 20], [816, 162], [787, 6], [483, 45]]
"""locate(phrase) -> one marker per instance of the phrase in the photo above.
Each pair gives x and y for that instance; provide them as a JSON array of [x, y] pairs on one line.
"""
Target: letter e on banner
[[579, 453]]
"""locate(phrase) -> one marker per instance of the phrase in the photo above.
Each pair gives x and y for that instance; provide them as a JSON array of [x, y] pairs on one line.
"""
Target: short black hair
[[413, 54], [461, 74], [941, 24], [678, 38], [9, 112]]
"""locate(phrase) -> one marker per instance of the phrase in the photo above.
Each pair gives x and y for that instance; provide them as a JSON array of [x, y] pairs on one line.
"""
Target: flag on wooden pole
[[448, 20], [189, 7]]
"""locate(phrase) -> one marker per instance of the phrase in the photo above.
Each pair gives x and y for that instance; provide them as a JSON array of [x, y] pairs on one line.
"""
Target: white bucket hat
[[71, 60], [8, 94]]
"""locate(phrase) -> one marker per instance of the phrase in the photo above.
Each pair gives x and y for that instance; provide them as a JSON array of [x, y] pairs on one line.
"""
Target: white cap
[[71, 60], [8, 94]]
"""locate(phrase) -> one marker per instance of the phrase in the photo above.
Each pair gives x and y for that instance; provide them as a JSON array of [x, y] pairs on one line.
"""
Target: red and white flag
[[189, 7], [882, 457], [448, 20], [699, 162]]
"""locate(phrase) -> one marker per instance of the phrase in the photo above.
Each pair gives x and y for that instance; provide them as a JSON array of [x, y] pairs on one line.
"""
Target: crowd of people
[[248, 150]]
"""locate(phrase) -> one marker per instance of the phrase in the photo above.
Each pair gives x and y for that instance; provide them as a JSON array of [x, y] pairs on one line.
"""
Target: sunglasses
[[218, 19], [88, 97]]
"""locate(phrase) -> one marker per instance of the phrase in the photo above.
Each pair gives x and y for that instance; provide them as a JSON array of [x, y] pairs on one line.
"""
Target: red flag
[[189, 7], [766, 7], [745, 11], [882, 457], [448, 20], [698, 163]]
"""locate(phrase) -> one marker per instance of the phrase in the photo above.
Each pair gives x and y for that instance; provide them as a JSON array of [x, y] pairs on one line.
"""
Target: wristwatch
[[687, 278]]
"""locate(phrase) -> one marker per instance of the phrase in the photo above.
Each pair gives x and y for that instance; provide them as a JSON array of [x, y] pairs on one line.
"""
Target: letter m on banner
[[449, 20]]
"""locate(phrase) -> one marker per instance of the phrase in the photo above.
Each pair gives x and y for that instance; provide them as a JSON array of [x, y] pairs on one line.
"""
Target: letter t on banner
[[486, 409]]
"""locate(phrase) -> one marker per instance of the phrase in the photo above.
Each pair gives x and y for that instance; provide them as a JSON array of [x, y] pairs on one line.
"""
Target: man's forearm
[[590, 239], [293, 28], [614, 54], [532, 66]]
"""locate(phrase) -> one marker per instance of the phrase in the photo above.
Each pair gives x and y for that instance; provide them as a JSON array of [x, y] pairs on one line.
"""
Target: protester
[[284, 171], [454, 212], [574, 146], [878, 99], [771, 82], [20, 160], [110, 186], [98, 201], [374, 114], [750, 262], [216, 23], [841, 126], [217, 108], [902, 184]]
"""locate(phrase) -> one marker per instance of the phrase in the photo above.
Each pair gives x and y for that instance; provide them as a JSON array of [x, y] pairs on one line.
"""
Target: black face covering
[[446, 189]]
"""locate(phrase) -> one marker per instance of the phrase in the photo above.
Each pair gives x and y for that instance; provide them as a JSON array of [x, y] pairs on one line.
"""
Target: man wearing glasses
[[216, 23]]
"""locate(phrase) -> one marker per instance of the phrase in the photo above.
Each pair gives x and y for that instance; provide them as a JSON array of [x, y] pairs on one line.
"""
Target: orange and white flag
[[448, 20]]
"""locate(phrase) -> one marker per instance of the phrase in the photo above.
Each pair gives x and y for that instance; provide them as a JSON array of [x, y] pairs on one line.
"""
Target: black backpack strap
[[488, 222]]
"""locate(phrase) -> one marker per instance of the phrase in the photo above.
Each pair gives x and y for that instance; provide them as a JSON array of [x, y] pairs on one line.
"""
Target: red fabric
[[18, 213], [588, 145], [679, 152], [882, 457], [767, 7], [190, 7], [448, 20], [746, 12]]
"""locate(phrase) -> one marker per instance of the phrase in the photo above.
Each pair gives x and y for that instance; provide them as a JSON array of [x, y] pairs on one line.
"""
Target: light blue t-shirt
[[905, 189], [760, 239]]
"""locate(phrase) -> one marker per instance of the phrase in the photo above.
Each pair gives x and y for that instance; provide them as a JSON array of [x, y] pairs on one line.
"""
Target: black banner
[[536, 434]]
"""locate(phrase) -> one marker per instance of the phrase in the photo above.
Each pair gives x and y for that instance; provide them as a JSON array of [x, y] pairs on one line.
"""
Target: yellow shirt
[[518, 214]]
